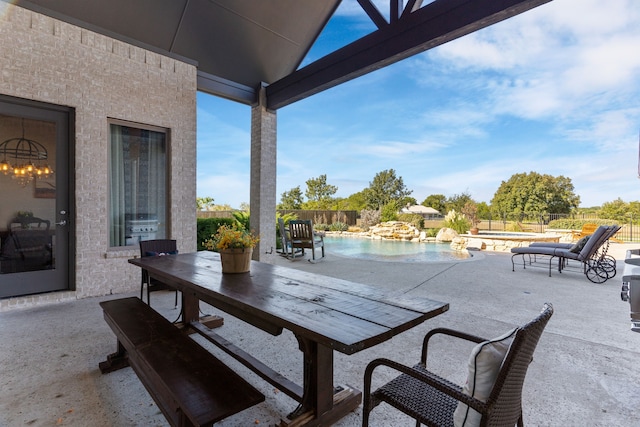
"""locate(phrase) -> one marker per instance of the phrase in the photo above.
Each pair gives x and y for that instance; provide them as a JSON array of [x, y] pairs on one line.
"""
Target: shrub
[[321, 227], [389, 212], [456, 221], [576, 224], [338, 226], [414, 219], [207, 227], [432, 232]]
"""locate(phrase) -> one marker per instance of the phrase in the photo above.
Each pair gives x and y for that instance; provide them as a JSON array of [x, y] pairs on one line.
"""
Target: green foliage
[[407, 201], [242, 219], [576, 224], [431, 232], [456, 221], [203, 203], [484, 211], [321, 226], [207, 227], [319, 193], [414, 219], [436, 201], [291, 199], [389, 212], [620, 211], [338, 226], [384, 188], [534, 193], [355, 202], [457, 202]]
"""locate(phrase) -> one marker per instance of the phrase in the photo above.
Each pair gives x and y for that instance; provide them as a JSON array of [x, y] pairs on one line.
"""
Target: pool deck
[[584, 372]]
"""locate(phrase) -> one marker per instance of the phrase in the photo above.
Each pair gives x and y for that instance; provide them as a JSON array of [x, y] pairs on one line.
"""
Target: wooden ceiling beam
[[432, 25]]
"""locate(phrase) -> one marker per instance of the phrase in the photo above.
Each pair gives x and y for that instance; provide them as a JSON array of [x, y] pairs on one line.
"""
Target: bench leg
[[115, 361]]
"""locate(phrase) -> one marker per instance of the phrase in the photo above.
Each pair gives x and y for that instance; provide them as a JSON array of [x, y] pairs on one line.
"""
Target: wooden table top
[[342, 315]]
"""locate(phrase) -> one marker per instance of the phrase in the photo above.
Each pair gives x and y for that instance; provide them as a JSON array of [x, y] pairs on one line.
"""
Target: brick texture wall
[[48, 60]]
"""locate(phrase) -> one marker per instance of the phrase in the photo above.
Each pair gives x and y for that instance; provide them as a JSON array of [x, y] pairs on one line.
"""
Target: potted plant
[[235, 245], [470, 210]]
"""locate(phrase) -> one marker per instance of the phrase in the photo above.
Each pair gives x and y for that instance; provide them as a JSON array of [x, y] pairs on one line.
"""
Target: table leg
[[190, 307], [321, 403]]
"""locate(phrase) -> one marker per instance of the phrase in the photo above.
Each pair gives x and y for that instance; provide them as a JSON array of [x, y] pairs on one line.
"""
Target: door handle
[[63, 222]]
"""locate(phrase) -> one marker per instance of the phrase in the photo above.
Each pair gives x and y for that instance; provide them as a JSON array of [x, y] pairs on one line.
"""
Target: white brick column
[[263, 178]]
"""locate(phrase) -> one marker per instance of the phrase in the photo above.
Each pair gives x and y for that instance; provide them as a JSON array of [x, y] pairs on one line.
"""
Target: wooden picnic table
[[325, 314]]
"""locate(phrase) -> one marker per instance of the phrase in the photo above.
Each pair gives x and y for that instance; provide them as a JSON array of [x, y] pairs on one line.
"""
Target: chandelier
[[29, 159]]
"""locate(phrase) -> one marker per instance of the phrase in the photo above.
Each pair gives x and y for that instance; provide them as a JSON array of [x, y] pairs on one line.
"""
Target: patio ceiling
[[241, 45]]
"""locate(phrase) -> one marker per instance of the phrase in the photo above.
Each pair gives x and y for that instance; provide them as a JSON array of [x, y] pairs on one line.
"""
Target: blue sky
[[555, 90]]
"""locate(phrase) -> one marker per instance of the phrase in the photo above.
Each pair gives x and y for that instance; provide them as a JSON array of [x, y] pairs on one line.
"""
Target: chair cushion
[[484, 365], [149, 253], [579, 245]]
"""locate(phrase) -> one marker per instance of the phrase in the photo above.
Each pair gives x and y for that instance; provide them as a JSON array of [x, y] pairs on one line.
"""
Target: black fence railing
[[521, 222]]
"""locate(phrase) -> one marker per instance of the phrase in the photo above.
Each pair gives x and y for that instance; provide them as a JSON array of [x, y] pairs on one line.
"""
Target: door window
[[27, 185]]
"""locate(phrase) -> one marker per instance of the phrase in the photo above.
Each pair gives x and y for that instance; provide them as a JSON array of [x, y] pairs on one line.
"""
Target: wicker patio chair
[[157, 247], [433, 400]]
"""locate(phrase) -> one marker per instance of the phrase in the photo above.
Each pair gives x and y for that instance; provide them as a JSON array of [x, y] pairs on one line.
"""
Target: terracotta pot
[[236, 260], [473, 230]]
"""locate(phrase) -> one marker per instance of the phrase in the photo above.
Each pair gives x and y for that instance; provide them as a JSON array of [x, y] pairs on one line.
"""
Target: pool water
[[392, 250]]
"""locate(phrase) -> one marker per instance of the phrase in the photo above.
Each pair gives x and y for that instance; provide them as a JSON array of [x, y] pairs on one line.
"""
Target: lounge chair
[[525, 228], [607, 262], [596, 265], [587, 230], [492, 396], [302, 236]]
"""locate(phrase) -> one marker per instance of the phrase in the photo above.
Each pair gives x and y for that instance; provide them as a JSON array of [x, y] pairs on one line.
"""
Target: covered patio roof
[[240, 46]]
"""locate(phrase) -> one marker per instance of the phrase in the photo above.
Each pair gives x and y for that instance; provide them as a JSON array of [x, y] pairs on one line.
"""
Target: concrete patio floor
[[584, 373]]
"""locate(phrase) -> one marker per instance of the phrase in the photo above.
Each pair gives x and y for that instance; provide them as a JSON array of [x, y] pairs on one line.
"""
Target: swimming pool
[[392, 250]]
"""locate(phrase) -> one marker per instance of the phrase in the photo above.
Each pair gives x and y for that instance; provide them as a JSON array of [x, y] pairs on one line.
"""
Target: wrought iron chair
[[158, 247], [303, 237], [433, 400], [595, 263]]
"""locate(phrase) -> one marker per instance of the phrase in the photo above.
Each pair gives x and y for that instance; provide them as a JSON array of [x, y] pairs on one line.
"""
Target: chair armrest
[[426, 377], [449, 332]]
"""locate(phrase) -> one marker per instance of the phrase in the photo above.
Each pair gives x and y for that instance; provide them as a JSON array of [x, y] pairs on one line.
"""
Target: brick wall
[[51, 61]]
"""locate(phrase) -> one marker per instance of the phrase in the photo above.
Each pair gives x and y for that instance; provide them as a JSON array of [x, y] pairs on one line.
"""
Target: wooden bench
[[190, 385]]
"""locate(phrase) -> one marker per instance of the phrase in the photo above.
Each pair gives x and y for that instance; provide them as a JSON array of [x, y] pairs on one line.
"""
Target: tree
[[384, 188], [291, 199], [534, 194], [620, 211], [437, 202], [458, 201], [407, 201], [356, 202], [484, 211], [203, 203], [319, 192]]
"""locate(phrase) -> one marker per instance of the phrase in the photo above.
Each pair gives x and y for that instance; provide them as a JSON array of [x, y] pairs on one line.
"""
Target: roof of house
[[240, 46], [419, 209]]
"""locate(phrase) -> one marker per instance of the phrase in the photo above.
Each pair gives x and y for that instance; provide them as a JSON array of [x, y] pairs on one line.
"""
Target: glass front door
[[34, 217]]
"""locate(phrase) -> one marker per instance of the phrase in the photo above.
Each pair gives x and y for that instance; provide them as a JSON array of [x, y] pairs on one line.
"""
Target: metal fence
[[528, 222]]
